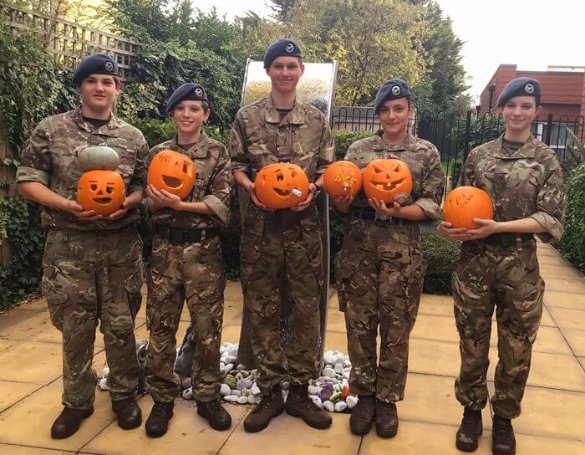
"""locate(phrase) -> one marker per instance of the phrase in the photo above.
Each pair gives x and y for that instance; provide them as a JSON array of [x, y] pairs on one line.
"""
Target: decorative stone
[[229, 367], [241, 384], [225, 390], [351, 401], [231, 381], [240, 367], [326, 391], [340, 406], [314, 390], [317, 402], [103, 384], [328, 406], [285, 385], [346, 374], [329, 372], [105, 372], [230, 359], [236, 392], [187, 394], [255, 390], [231, 398], [252, 399], [242, 400], [338, 368], [186, 383]]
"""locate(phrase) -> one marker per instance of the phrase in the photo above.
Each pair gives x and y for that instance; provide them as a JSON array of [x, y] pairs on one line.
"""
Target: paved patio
[[553, 419]]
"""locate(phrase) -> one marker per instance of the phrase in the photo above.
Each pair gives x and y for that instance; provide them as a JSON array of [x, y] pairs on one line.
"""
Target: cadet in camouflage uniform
[[380, 267], [282, 242], [187, 266], [498, 267], [92, 264]]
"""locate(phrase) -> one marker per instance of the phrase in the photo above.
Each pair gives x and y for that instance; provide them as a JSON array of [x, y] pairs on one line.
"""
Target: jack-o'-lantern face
[[465, 203], [387, 180], [342, 178], [281, 185], [102, 191], [173, 172]]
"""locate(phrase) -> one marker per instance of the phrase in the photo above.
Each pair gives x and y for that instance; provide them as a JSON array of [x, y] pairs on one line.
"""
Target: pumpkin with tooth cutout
[[387, 180], [101, 190], [465, 203], [281, 185], [342, 178], [173, 172]]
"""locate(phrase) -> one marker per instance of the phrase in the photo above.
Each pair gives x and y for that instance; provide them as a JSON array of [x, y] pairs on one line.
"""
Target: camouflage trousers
[[190, 272], [379, 273], [507, 279], [91, 276], [275, 247]]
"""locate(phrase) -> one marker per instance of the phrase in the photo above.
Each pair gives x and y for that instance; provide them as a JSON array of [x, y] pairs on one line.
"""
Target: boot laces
[[367, 404], [502, 428], [159, 409]]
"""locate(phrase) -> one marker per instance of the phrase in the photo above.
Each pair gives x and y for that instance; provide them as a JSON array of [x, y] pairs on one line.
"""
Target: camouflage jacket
[[259, 138], [421, 157], [50, 157], [525, 184], [212, 186]]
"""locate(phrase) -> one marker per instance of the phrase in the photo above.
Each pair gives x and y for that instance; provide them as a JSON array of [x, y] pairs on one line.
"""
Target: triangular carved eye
[[185, 168], [397, 168], [378, 170]]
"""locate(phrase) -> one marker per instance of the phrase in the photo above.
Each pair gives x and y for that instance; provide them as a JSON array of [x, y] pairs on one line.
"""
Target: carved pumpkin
[[465, 203], [173, 172], [98, 157], [342, 178], [281, 185], [387, 180], [101, 190]]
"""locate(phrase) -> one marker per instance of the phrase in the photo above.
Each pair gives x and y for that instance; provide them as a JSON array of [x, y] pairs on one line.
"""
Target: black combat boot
[[128, 412], [157, 423], [503, 440], [469, 431], [271, 406], [386, 419], [68, 422], [298, 404], [362, 416], [218, 418]]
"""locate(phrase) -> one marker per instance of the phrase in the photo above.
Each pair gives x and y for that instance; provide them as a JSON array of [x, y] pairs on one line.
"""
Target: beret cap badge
[[109, 66], [289, 47], [396, 90], [529, 88], [198, 91]]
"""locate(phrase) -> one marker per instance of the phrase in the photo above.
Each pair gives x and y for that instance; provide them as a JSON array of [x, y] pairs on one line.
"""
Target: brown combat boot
[[386, 419], [503, 440], [157, 423], [271, 406], [219, 419], [298, 404], [68, 422], [128, 412], [469, 431], [363, 414]]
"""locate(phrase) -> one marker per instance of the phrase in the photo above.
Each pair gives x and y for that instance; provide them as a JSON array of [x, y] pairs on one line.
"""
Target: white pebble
[[329, 372], [229, 367], [285, 385], [346, 374], [314, 390], [236, 393], [231, 359], [328, 406], [242, 400], [340, 406], [240, 367], [105, 372], [351, 401], [188, 394], [317, 402], [225, 390], [231, 398], [338, 368], [255, 390], [252, 399], [103, 385], [186, 383]]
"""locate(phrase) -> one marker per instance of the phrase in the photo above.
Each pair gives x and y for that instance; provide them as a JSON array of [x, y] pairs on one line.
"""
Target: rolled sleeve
[[433, 185], [550, 204], [29, 174], [554, 228], [220, 209], [221, 186]]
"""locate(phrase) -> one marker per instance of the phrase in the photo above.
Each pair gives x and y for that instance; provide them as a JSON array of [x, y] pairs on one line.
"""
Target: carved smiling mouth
[[281, 192], [103, 200], [171, 182], [389, 186]]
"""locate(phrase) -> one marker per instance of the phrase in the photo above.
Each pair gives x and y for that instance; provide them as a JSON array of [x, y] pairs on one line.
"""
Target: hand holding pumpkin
[[76, 209], [162, 198], [304, 204], [383, 210], [447, 231], [342, 203], [121, 211]]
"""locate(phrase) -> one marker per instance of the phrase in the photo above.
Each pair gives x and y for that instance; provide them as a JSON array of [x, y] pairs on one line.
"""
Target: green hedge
[[572, 244]]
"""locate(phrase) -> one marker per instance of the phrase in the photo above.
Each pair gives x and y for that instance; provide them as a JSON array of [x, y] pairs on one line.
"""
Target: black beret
[[189, 91], [521, 86], [283, 46], [95, 64], [392, 89]]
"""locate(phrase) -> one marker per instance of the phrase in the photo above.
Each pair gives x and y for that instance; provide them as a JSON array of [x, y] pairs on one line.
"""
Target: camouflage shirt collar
[[380, 145], [295, 117], [526, 151], [200, 144], [112, 124]]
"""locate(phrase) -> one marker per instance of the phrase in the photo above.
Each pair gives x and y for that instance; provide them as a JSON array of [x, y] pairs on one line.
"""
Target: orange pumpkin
[[387, 180], [101, 190], [281, 185], [342, 178], [173, 172], [465, 203]]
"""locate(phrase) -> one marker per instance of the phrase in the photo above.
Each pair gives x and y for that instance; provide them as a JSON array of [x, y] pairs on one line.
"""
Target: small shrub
[[572, 244], [442, 256], [344, 138]]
